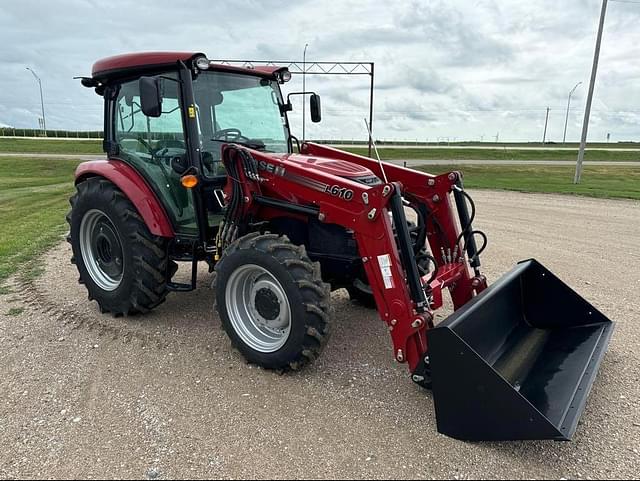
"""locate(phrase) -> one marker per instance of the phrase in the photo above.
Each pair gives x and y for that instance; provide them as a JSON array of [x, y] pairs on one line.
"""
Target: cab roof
[[131, 64]]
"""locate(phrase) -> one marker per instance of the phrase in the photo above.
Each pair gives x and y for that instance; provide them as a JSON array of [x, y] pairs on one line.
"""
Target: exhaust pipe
[[518, 361]]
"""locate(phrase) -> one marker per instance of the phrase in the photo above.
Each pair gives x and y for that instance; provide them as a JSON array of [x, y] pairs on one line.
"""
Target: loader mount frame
[[376, 217]]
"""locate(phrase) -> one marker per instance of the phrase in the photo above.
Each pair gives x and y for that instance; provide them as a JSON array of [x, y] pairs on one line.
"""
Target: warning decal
[[385, 269]]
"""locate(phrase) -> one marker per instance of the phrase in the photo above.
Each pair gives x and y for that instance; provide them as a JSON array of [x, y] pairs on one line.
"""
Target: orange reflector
[[189, 181]]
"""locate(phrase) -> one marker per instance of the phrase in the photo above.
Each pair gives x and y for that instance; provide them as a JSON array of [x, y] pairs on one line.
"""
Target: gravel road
[[165, 396], [549, 162]]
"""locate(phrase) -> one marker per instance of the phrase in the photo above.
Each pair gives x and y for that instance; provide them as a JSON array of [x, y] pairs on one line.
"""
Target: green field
[[497, 154], [34, 196], [33, 203], [50, 146], [606, 182]]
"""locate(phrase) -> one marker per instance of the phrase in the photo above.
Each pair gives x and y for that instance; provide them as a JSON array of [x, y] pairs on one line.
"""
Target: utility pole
[[592, 85], [546, 122], [304, 91], [566, 120], [44, 121]]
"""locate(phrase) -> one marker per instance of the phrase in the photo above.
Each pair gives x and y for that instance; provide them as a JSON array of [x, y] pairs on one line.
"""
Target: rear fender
[[131, 183]]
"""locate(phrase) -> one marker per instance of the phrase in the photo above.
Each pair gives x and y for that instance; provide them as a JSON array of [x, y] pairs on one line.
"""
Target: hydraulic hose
[[468, 233]]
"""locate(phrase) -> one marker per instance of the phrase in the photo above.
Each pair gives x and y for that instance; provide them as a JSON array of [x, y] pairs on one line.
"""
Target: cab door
[[150, 145]]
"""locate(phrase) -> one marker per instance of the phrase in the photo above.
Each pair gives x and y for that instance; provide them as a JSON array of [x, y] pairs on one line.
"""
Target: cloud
[[423, 79], [454, 33], [462, 68]]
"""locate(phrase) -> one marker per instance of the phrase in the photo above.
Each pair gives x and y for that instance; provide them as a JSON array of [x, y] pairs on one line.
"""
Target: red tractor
[[202, 167]]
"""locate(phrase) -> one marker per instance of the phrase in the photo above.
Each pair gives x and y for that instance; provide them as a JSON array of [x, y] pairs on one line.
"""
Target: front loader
[[202, 167]]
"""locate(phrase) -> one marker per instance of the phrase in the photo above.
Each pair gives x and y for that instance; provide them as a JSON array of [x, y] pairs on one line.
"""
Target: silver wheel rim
[[258, 308], [101, 250]]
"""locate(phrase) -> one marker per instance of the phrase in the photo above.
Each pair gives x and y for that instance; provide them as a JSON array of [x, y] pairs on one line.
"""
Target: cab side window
[[137, 133]]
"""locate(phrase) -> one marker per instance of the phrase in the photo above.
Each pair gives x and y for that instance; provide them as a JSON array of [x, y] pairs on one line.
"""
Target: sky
[[444, 70]]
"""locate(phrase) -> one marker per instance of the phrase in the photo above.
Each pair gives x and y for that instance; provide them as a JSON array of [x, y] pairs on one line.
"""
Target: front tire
[[122, 264], [272, 302]]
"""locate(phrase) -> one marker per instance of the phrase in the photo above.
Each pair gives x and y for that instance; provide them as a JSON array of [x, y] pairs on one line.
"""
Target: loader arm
[[436, 197], [404, 299]]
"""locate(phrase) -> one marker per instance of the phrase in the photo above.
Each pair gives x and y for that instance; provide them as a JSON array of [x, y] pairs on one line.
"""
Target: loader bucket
[[518, 361]]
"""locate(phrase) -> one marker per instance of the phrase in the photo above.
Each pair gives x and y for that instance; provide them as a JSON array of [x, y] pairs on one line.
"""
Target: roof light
[[282, 75], [202, 63]]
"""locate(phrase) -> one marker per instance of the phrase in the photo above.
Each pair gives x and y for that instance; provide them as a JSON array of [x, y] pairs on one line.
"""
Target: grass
[[15, 311], [497, 154], [34, 196], [606, 182], [48, 146], [33, 203]]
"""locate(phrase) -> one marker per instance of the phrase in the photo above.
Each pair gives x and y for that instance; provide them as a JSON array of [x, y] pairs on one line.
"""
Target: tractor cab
[[167, 113]]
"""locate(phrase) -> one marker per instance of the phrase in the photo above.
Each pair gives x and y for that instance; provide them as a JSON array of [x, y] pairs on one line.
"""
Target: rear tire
[[122, 264], [360, 290], [272, 302]]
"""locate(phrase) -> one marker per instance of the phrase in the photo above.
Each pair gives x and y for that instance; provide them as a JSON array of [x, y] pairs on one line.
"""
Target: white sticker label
[[385, 269], [384, 260]]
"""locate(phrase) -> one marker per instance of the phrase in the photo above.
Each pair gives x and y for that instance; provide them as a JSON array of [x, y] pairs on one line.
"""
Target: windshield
[[238, 108]]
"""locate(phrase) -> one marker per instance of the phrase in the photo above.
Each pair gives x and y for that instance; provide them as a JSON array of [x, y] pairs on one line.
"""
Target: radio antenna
[[375, 149]]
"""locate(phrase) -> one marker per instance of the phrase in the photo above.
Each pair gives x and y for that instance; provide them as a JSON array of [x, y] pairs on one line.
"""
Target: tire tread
[[148, 252], [306, 277]]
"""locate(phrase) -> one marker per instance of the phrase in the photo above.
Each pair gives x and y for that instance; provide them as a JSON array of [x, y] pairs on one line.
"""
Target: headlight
[[286, 75], [202, 63]]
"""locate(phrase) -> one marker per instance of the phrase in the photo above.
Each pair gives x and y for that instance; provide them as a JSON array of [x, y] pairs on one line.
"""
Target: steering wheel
[[230, 135]]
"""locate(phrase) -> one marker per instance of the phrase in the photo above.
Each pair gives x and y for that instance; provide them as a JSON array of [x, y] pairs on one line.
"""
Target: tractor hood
[[339, 168]]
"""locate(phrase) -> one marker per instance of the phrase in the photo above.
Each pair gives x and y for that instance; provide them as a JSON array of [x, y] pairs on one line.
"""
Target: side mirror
[[151, 96], [179, 164], [316, 109]]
